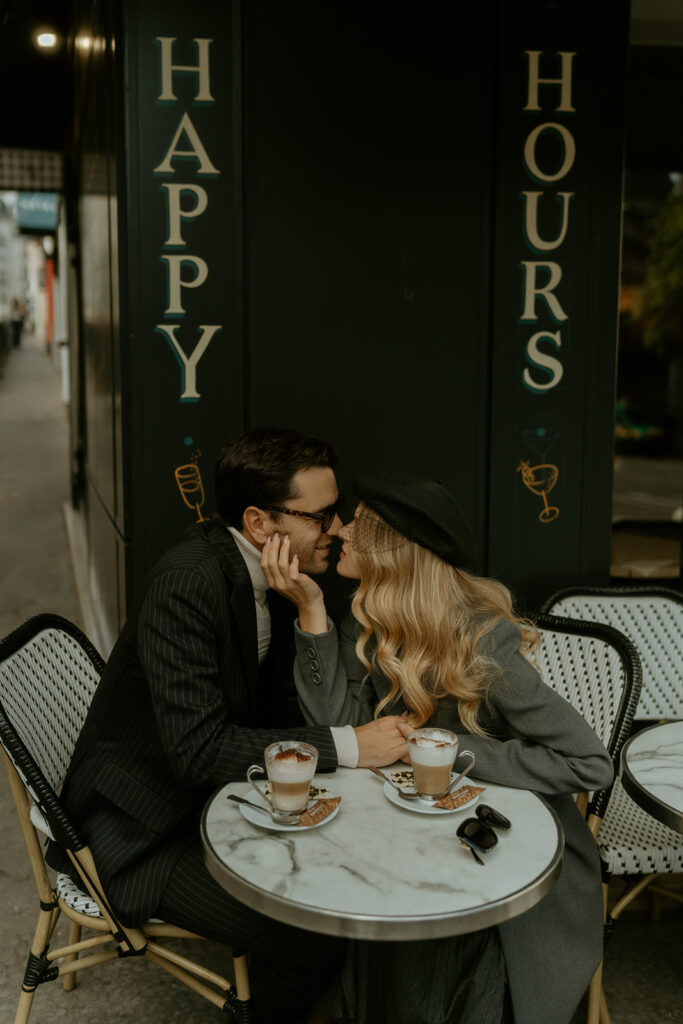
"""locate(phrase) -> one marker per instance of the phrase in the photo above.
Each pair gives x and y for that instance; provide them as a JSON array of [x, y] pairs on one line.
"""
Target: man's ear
[[256, 525]]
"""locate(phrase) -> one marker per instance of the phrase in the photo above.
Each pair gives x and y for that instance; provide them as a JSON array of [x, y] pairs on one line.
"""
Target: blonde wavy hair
[[422, 621]]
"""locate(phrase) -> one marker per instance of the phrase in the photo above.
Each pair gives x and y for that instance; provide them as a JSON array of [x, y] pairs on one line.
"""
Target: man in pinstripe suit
[[197, 685]]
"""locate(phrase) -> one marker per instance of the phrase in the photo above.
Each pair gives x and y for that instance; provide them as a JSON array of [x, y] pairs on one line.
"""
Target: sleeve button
[[316, 678]]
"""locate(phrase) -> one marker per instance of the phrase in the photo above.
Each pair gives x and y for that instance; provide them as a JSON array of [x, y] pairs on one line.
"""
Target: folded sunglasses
[[477, 835]]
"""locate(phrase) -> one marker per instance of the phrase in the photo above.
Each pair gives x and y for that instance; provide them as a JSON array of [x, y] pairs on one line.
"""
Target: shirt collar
[[252, 560]]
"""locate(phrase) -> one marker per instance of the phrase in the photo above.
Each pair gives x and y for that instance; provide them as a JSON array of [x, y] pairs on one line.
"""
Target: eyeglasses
[[325, 518], [477, 834]]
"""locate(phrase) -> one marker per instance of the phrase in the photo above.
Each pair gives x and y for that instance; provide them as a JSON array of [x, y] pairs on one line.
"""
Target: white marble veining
[[652, 766], [380, 871]]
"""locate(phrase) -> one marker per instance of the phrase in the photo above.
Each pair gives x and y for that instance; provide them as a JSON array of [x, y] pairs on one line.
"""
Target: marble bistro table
[[380, 871], [652, 772]]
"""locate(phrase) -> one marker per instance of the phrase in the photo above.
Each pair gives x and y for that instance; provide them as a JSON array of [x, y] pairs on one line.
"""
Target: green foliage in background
[[663, 286]]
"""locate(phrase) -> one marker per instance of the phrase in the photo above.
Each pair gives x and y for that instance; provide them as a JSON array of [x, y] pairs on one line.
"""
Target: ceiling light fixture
[[46, 40]]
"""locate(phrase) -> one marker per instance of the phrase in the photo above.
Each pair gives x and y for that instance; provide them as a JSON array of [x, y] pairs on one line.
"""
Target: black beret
[[422, 510]]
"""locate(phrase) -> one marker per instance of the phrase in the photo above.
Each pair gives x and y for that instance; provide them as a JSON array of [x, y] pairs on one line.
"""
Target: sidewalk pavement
[[643, 980], [37, 576]]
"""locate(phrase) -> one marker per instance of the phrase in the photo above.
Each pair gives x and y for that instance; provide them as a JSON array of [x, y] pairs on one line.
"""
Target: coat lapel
[[242, 603], [278, 704]]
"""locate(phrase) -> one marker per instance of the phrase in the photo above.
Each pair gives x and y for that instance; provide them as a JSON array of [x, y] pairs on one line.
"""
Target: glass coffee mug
[[432, 754], [291, 766]]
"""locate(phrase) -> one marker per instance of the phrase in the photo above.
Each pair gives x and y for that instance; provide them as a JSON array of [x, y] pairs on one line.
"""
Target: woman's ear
[[257, 525]]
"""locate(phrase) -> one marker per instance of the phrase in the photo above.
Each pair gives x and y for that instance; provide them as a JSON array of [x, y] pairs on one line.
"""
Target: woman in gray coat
[[428, 639]]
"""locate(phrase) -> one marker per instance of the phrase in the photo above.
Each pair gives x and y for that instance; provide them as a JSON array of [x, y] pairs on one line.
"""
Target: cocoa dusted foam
[[291, 755], [290, 770], [432, 753]]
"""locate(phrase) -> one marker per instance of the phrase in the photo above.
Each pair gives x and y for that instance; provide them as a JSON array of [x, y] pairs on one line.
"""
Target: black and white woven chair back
[[597, 670], [49, 671], [652, 618], [632, 842]]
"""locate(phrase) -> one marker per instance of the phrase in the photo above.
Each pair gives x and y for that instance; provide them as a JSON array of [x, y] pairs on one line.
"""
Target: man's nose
[[334, 527]]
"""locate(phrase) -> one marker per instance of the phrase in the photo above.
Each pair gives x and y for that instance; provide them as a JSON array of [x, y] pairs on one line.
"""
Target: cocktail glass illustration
[[190, 484], [541, 480]]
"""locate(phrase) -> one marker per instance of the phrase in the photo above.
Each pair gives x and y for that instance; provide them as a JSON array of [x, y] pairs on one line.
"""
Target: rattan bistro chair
[[48, 674], [597, 669], [652, 618], [632, 844]]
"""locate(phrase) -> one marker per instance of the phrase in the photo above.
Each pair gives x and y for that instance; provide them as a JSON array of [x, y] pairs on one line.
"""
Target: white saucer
[[263, 821], [421, 806]]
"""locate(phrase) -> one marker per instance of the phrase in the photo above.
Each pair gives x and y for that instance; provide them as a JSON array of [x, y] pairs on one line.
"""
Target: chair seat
[[40, 822], [74, 897], [632, 842]]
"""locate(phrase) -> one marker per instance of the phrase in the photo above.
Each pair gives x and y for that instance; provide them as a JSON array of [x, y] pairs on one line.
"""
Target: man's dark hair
[[257, 469]]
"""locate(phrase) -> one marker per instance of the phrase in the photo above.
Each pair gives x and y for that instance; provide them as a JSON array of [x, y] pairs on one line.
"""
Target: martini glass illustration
[[190, 485], [541, 480]]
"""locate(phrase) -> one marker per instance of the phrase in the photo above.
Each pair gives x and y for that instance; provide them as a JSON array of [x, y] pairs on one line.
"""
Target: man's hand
[[382, 741]]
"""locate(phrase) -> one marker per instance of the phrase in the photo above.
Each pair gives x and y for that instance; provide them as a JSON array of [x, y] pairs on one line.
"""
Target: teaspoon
[[279, 817]]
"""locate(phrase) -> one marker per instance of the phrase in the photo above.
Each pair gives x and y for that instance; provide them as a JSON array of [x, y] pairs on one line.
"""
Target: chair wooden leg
[[604, 1012], [242, 989], [74, 937], [36, 965], [594, 997], [23, 1008], [630, 895]]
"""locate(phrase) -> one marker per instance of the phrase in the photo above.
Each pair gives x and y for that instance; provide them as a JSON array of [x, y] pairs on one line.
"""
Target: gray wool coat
[[536, 741]]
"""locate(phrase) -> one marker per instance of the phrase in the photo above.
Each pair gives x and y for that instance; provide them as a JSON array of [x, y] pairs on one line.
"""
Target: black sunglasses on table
[[477, 834], [325, 518]]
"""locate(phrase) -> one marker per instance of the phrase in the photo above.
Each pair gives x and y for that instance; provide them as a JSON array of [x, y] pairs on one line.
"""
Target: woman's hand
[[405, 725], [282, 573], [382, 741]]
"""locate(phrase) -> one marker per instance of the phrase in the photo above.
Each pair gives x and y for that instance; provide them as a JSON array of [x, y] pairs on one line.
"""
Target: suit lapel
[[277, 693], [270, 688], [242, 604]]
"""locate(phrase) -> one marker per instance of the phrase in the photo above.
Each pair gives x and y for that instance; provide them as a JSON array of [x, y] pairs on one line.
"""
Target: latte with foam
[[291, 767], [432, 753]]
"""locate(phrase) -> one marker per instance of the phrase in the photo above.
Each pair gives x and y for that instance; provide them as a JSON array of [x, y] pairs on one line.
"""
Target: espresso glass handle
[[261, 771], [466, 770]]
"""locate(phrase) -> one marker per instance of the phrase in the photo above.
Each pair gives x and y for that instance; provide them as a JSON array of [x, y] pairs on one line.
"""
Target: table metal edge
[[372, 927], [648, 802]]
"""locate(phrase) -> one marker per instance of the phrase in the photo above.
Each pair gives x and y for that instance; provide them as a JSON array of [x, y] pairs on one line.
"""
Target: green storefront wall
[[398, 232]]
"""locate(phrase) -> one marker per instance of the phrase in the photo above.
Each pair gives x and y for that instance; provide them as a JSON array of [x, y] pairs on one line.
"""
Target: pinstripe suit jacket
[[181, 708]]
